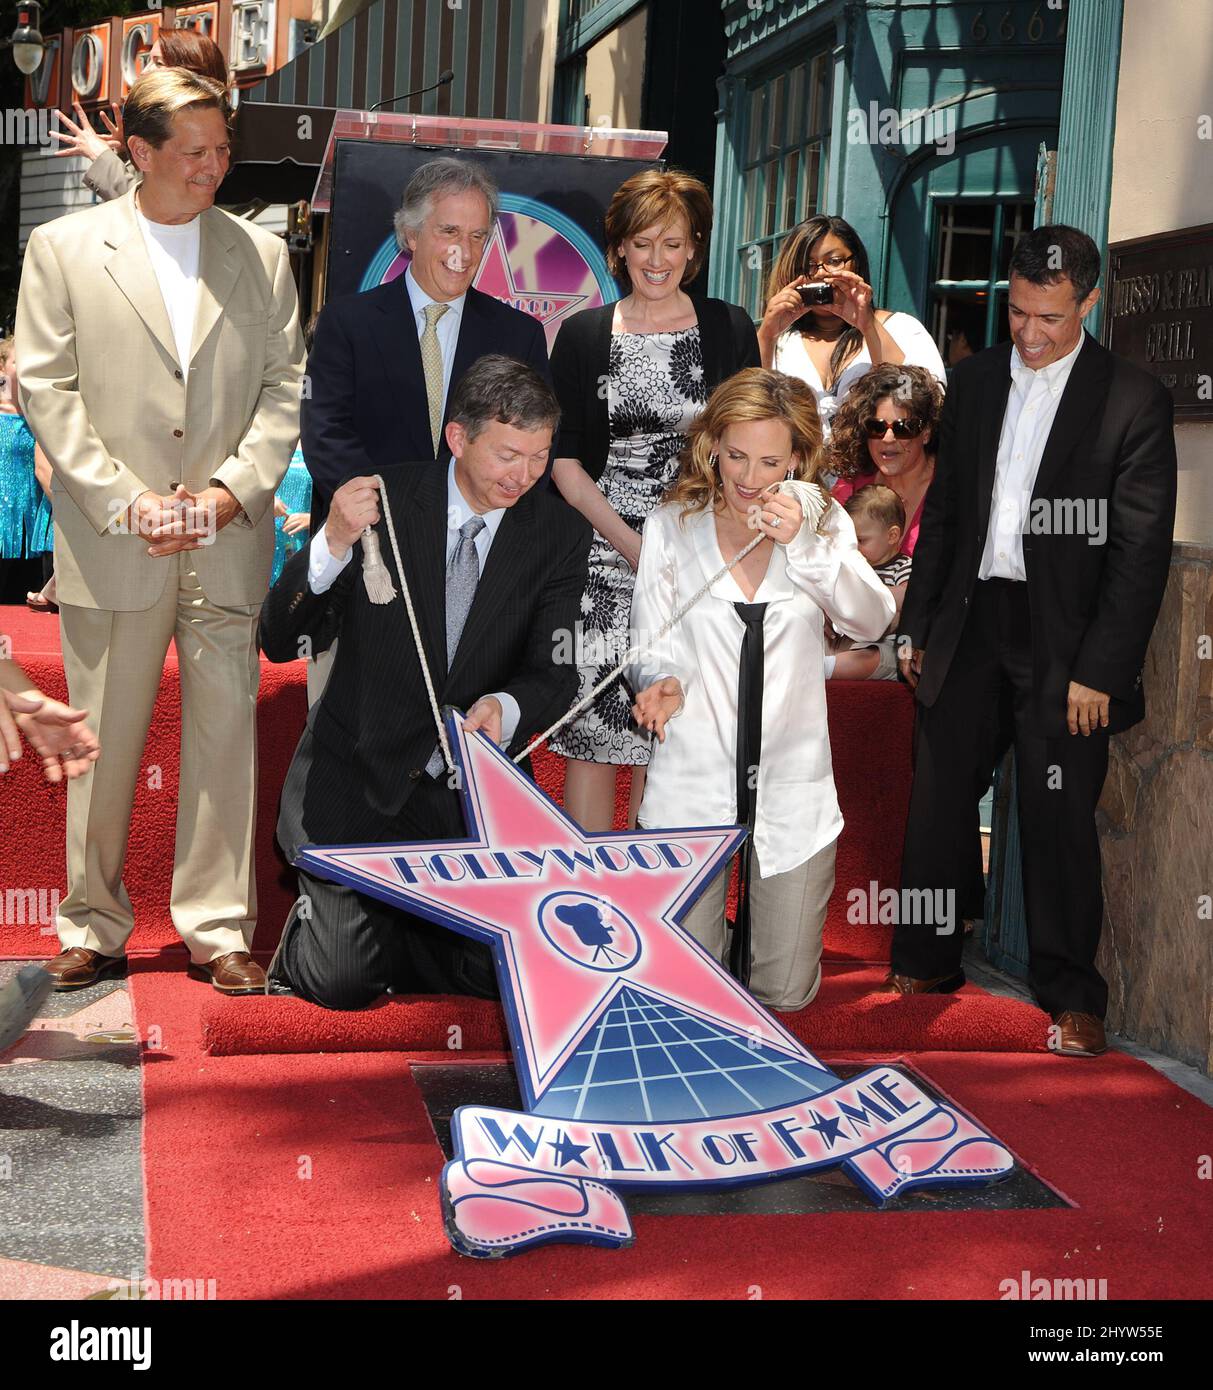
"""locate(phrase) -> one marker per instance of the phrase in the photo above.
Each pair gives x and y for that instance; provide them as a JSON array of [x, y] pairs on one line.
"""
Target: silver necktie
[[462, 576]]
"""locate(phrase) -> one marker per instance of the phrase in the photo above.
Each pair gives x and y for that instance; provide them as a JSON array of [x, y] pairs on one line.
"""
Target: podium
[[547, 253]]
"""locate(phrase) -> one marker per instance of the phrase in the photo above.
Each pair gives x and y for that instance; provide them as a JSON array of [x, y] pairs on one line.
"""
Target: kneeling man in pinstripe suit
[[496, 568]]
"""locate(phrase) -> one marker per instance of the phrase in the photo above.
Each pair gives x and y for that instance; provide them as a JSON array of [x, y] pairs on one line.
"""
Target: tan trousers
[[114, 663], [787, 915]]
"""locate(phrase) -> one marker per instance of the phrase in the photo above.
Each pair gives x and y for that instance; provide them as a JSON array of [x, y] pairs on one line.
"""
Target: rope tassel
[[375, 574], [814, 503]]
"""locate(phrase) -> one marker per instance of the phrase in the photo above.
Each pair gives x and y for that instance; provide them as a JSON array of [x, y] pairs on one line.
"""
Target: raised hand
[[82, 139], [780, 516], [782, 311], [852, 299], [355, 507]]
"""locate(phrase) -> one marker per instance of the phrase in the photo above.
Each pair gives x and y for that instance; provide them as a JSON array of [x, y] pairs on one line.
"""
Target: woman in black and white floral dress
[[631, 377]]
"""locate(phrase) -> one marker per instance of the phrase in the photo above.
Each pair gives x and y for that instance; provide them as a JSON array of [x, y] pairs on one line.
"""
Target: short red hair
[[656, 198]]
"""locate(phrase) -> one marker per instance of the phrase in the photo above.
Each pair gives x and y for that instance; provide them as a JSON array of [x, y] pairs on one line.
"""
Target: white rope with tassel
[[379, 589], [812, 502]]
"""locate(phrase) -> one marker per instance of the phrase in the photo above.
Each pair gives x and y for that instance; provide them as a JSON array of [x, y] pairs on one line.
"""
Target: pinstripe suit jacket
[[374, 723]]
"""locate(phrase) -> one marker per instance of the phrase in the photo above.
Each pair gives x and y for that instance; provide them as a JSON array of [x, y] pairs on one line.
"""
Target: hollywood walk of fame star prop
[[642, 1063]]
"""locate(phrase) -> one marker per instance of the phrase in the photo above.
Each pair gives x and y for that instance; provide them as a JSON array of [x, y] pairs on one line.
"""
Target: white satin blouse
[[692, 775]]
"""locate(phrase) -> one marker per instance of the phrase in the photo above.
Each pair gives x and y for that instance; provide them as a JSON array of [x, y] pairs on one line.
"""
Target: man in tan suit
[[161, 370]]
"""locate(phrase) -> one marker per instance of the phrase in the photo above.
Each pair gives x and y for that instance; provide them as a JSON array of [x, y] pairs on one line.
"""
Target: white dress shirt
[[324, 567], [447, 329], [692, 775], [1031, 409], [173, 251]]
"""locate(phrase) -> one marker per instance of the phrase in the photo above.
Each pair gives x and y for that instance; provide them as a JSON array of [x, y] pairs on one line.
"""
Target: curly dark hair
[[913, 388]]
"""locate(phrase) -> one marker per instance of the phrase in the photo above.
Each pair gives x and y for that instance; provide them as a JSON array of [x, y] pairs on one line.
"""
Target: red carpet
[[839, 1018], [316, 1176], [870, 725]]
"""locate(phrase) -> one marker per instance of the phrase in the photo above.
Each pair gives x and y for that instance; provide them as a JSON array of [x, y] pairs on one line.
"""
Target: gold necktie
[[431, 364]]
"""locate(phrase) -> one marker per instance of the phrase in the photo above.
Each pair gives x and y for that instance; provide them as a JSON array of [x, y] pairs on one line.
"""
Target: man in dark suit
[[384, 363], [1038, 575], [495, 567]]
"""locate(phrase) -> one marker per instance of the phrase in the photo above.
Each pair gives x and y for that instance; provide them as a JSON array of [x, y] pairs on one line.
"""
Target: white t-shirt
[[792, 357], [173, 251]]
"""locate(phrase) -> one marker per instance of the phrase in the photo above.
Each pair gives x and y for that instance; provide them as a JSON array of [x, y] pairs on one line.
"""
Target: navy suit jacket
[[367, 409]]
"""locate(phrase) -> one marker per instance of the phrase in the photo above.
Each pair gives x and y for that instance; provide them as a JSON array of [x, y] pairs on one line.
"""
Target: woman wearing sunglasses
[[886, 431], [831, 345]]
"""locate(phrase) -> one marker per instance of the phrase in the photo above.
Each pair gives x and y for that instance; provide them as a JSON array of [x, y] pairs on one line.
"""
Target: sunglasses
[[875, 428]]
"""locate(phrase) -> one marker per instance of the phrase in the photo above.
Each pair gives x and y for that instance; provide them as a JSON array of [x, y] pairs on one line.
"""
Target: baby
[[880, 526]]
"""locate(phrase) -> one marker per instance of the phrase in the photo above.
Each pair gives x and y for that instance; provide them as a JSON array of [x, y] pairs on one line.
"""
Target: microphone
[[447, 77]]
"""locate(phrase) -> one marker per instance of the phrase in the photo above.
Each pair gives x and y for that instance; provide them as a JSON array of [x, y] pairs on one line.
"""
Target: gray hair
[[506, 390], [439, 177]]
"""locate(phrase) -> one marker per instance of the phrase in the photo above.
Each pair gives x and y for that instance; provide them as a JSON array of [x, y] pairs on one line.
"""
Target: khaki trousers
[[114, 663], [787, 916]]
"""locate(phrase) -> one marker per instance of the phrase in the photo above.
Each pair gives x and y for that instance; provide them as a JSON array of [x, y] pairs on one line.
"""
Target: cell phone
[[814, 296]]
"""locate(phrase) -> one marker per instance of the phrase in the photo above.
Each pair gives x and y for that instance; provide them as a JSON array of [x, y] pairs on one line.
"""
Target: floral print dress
[[656, 387]]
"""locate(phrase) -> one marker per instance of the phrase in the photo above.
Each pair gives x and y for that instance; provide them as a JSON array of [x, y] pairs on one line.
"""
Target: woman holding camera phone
[[821, 324]]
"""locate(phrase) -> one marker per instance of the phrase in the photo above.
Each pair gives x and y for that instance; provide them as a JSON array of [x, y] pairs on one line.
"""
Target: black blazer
[[374, 719], [1093, 605], [581, 357], [367, 409]]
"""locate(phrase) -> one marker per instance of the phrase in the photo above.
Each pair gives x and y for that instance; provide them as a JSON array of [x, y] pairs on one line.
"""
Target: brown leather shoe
[[79, 967], [1076, 1034], [235, 973], [907, 984]]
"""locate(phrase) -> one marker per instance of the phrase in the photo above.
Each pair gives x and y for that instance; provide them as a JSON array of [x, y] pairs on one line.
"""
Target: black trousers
[[342, 949], [958, 742]]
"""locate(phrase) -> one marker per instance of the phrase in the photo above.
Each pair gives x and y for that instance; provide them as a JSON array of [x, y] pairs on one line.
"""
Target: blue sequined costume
[[295, 491], [25, 513]]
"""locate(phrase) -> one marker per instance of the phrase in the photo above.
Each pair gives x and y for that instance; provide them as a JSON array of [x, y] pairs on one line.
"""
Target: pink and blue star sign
[[642, 1063]]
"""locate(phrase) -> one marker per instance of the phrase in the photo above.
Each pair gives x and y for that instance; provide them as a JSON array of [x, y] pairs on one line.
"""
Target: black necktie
[[750, 672]]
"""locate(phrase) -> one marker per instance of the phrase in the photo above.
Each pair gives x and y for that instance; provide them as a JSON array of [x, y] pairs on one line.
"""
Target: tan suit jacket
[[104, 394], [110, 176]]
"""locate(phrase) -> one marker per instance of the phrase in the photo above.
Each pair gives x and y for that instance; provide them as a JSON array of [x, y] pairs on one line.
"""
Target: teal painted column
[[1088, 122], [727, 191]]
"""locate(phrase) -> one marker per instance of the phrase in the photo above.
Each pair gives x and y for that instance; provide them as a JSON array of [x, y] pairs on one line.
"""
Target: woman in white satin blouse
[[736, 692]]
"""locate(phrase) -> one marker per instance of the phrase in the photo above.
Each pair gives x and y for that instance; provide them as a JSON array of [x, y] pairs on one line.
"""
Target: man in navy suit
[[384, 364]]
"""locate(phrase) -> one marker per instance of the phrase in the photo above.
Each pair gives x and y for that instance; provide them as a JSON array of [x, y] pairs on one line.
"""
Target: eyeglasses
[[875, 428], [835, 262]]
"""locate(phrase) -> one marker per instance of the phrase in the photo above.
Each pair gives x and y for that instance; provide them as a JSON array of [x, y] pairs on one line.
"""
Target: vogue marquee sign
[[641, 1062]]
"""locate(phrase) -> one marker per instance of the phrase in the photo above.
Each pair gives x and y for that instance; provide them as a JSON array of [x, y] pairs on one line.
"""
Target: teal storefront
[[920, 123]]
